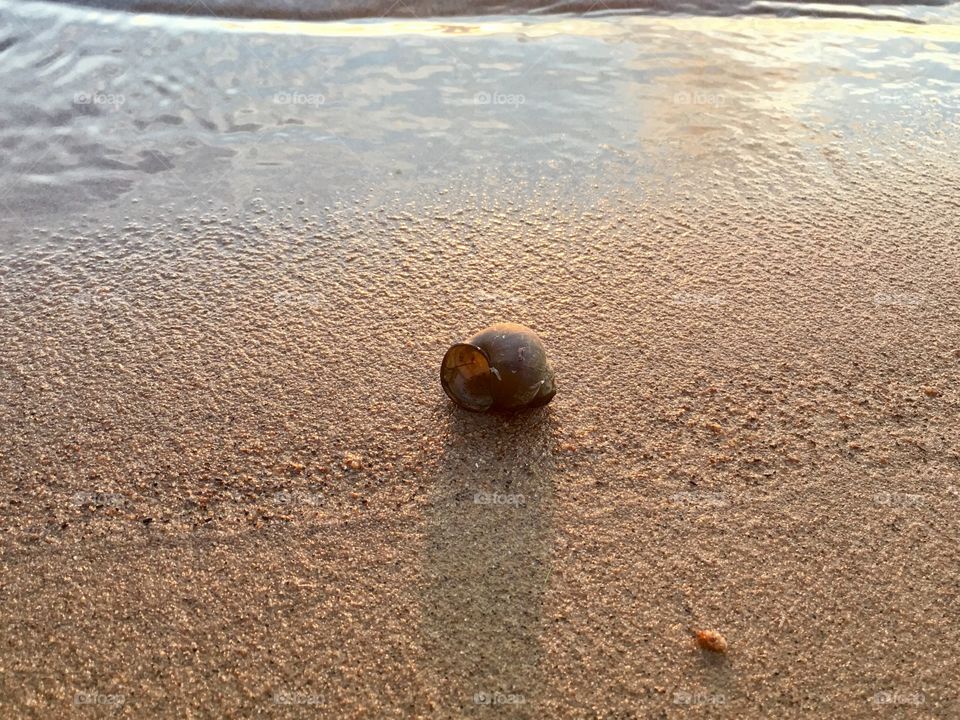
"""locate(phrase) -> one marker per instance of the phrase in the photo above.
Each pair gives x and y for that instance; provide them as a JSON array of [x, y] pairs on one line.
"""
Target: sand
[[235, 488]]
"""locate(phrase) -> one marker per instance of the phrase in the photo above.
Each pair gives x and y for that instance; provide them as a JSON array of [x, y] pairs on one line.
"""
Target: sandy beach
[[231, 485]]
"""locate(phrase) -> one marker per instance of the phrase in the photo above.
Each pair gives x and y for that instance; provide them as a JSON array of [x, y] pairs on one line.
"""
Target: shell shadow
[[487, 559]]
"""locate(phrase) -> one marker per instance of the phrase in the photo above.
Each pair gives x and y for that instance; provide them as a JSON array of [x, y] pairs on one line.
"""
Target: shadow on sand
[[487, 560]]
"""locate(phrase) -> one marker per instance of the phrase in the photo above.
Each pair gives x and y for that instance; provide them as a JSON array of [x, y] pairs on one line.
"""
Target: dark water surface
[[343, 9]]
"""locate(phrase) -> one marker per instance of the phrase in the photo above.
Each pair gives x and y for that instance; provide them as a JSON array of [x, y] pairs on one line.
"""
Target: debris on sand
[[711, 640], [352, 461]]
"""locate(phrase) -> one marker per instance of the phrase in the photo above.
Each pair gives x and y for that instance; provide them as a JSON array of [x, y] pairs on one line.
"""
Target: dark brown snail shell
[[504, 367]]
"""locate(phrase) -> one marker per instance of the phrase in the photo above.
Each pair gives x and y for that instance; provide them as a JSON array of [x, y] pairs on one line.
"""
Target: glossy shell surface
[[503, 367]]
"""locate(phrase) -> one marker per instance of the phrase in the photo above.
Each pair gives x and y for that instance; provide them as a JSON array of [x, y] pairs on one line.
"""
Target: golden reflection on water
[[639, 102], [580, 26]]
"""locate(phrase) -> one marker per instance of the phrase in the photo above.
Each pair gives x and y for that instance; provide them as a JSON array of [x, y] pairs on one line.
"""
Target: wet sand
[[232, 486], [218, 494]]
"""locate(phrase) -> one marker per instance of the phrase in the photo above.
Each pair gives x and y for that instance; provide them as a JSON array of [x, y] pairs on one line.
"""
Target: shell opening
[[465, 375]]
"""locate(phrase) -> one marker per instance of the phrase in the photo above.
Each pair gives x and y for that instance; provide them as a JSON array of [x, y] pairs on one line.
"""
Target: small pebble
[[711, 640]]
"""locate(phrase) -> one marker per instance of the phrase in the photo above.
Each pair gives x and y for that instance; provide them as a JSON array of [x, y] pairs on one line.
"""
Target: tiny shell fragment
[[711, 640]]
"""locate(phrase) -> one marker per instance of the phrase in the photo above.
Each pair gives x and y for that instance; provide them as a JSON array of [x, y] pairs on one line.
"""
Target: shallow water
[[114, 115]]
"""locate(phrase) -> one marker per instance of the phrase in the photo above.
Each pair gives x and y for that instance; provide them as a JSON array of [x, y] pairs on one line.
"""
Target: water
[[112, 114], [346, 9]]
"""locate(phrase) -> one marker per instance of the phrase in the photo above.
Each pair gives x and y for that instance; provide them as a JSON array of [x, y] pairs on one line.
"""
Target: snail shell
[[504, 367]]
